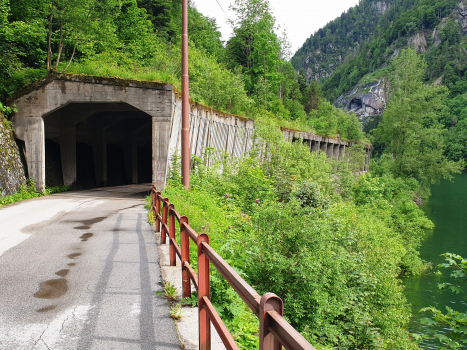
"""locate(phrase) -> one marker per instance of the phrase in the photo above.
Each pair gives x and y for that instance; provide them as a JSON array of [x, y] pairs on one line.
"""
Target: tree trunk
[[49, 49]]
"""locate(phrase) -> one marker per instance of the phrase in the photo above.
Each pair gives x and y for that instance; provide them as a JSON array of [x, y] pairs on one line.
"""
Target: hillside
[[361, 81]]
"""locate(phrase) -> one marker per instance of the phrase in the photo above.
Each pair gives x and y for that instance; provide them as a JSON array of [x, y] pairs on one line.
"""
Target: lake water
[[447, 208]]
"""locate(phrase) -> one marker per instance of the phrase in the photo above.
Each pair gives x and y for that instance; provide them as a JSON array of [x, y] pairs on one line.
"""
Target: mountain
[[351, 58]]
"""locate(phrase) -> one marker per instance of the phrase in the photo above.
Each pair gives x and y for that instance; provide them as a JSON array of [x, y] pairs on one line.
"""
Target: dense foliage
[[330, 242], [140, 39], [410, 130]]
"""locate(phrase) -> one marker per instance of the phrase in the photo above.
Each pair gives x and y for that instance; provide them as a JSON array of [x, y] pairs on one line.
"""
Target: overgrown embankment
[[329, 242]]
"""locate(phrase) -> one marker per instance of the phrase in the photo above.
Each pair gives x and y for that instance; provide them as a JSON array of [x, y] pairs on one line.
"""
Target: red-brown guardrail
[[274, 331]]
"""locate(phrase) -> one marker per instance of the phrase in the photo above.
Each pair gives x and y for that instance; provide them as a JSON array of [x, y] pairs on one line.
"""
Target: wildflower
[[226, 195], [202, 227], [257, 201]]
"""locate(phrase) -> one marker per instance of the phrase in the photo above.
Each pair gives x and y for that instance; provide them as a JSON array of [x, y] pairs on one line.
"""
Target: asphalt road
[[80, 270]]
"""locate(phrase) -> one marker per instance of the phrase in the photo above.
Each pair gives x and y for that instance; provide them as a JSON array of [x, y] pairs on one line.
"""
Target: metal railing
[[275, 331]]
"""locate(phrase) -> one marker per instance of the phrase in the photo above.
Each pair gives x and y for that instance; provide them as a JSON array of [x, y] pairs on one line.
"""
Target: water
[[447, 208]]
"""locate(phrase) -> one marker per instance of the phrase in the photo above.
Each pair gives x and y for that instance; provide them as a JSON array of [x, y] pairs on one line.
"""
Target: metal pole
[[185, 100]]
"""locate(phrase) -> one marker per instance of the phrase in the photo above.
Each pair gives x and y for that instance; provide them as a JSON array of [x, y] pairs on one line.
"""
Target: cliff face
[[11, 168], [339, 40], [367, 100]]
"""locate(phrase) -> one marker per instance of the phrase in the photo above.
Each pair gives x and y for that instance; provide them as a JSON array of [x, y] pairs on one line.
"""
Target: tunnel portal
[[87, 132]]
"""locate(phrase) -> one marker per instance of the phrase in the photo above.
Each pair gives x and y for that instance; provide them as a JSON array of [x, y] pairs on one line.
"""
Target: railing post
[[158, 211], [204, 290], [165, 212], [185, 248], [269, 302], [173, 256]]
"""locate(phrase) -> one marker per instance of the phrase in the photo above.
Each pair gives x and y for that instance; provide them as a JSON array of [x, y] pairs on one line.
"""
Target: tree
[[256, 48], [312, 96], [410, 130]]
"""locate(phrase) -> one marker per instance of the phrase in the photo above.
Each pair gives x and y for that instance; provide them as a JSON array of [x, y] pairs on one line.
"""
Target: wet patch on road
[[71, 264], [52, 289], [47, 308], [86, 224], [73, 255], [62, 273], [85, 236]]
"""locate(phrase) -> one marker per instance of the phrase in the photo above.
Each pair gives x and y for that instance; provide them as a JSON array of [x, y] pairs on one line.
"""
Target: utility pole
[[185, 100]]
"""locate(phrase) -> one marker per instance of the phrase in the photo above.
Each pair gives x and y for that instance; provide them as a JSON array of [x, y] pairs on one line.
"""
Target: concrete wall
[[11, 168], [234, 134]]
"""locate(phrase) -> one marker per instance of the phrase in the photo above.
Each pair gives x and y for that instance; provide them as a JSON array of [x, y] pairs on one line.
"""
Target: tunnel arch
[[62, 108]]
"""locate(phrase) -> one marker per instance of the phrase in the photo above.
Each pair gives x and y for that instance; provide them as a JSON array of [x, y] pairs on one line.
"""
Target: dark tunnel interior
[[100, 145]]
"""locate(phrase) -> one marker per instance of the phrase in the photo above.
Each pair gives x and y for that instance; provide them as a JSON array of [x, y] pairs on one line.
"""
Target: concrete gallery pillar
[[100, 157], [160, 150], [35, 151], [68, 153], [130, 152]]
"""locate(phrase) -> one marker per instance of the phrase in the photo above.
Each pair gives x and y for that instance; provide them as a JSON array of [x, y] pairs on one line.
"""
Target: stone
[[11, 168]]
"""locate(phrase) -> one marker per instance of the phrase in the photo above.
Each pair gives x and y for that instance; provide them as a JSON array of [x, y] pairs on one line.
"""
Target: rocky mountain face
[[366, 101], [368, 98], [324, 51]]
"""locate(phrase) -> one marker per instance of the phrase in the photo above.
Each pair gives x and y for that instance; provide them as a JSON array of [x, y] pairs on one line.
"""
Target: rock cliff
[[367, 100], [12, 174]]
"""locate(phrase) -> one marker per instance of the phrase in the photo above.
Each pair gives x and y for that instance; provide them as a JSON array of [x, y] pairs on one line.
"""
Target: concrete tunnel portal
[[90, 145], [87, 132]]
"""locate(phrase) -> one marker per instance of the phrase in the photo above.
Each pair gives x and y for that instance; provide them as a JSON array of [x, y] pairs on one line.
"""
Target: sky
[[301, 18]]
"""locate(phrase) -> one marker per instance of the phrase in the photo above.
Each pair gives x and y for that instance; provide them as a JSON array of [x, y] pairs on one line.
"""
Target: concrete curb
[[187, 326]]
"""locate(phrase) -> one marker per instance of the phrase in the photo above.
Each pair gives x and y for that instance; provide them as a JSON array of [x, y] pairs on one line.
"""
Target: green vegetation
[[360, 45], [331, 243], [29, 191], [410, 131], [454, 321], [140, 39]]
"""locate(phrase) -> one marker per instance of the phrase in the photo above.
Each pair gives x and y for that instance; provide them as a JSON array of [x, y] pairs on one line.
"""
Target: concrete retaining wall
[[234, 134], [11, 169]]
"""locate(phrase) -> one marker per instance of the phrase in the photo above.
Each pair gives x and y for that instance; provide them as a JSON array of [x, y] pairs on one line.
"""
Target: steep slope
[[340, 39]]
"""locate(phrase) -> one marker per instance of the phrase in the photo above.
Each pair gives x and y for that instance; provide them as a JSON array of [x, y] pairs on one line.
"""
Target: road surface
[[80, 270]]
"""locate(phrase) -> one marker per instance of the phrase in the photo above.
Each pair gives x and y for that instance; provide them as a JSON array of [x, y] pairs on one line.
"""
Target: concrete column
[[329, 149], [68, 153], [160, 140], [134, 158], [315, 146], [35, 151], [323, 147], [341, 151], [100, 157], [336, 151], [129, 146]]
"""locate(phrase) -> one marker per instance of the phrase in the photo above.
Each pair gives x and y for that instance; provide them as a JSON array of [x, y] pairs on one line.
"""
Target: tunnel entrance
[[91, 145]]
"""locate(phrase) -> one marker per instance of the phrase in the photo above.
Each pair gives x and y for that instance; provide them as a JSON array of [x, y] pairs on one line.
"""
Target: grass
[[29, 191]]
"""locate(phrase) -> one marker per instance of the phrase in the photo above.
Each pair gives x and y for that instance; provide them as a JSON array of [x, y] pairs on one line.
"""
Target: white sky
[[301, 17]]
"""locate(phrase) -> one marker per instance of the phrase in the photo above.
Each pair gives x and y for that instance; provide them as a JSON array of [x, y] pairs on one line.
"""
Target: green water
[[447, 208]]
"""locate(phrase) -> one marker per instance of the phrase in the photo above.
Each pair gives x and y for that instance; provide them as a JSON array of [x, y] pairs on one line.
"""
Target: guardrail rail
[[274, 331]]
